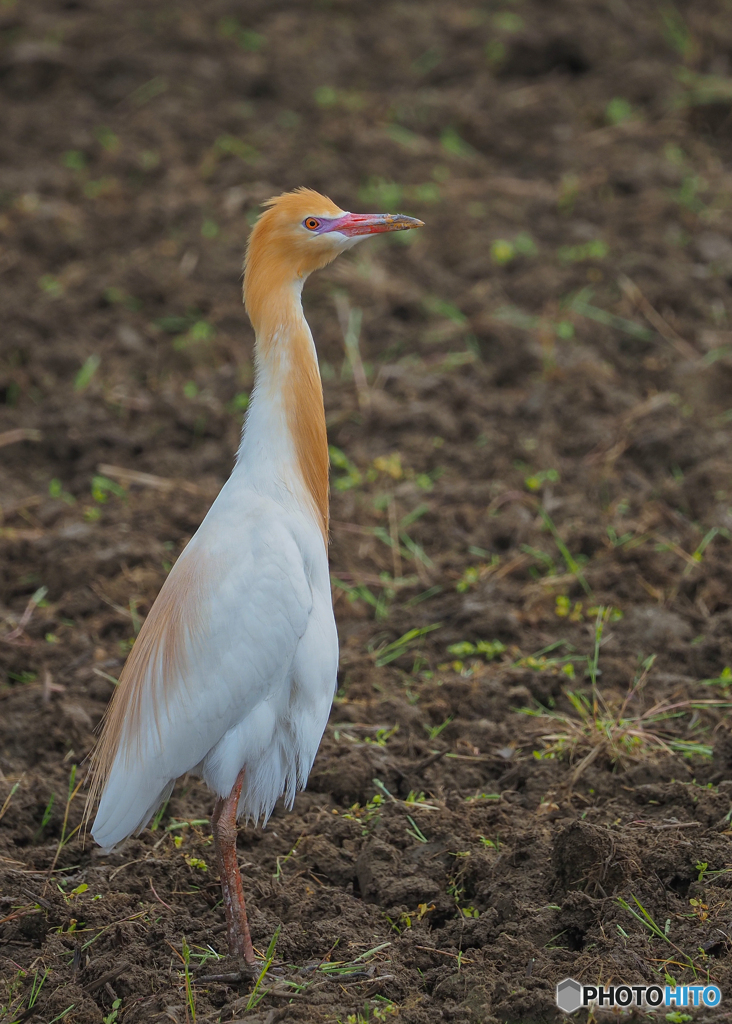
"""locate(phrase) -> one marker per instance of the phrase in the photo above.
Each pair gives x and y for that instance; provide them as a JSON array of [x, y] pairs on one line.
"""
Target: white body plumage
[[259, 670], [253, 684]]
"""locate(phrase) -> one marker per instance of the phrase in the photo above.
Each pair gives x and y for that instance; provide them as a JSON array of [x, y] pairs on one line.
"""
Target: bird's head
[[300, 232]]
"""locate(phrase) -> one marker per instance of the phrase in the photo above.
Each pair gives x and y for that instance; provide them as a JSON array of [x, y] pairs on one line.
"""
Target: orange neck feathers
[[303, 396], [276, 266]]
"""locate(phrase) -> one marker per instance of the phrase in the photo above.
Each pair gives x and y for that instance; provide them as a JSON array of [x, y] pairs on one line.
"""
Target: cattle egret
[[233, 673]]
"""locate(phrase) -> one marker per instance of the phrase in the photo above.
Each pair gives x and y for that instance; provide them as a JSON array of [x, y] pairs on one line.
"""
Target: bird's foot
[[245, 972]]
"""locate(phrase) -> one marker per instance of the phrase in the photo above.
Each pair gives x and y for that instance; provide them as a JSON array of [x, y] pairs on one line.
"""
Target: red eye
[[312, 224]]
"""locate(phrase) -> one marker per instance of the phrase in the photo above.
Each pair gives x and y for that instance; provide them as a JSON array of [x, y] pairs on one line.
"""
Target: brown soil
[[553, 412]]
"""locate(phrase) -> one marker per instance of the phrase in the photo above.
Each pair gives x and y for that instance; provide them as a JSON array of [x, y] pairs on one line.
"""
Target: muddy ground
[[528, 770]]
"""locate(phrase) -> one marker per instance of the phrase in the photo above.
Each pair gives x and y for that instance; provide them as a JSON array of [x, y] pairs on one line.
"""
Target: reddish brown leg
[[224, 831]]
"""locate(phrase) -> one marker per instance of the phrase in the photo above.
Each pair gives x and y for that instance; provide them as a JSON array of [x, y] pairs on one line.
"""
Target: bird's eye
[[312, 224]]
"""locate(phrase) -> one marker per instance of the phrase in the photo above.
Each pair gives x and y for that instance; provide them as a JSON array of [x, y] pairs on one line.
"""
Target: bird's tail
[[129, 801]]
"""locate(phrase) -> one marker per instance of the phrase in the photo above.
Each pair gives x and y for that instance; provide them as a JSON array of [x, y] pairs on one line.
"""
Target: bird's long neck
[[285, 441]]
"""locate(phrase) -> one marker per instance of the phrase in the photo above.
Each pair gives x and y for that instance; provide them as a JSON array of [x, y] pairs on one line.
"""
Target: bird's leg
[[224, 831]]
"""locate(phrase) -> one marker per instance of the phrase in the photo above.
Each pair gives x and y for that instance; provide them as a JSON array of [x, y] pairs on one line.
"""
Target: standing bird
[[233, 673]]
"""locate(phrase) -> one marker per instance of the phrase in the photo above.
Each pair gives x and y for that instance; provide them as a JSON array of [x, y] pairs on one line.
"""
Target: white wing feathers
[[222, 676]]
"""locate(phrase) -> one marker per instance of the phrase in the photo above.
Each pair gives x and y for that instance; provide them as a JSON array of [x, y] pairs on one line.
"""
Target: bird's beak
[[353, 224]]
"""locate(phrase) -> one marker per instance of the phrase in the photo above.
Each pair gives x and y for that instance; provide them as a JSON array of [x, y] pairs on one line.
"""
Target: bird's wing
[[220, 639]]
